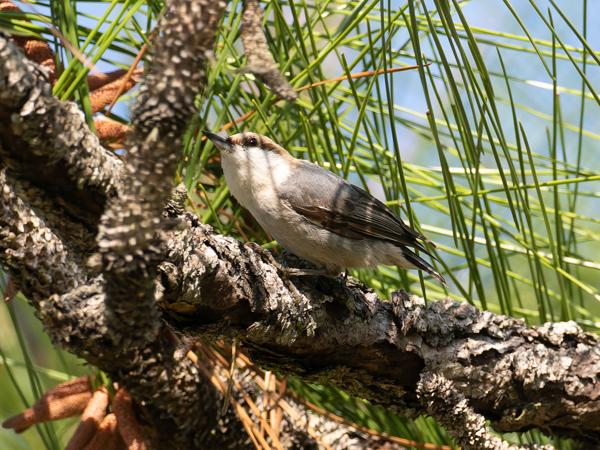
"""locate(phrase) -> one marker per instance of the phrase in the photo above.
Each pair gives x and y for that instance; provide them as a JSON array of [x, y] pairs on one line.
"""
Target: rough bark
[[60, 189], [55, 138], [260, 61], [518, 377], [112, 274]]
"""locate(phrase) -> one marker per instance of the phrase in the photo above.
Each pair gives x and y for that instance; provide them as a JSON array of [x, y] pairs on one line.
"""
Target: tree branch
[[260, 60], [128, 237], [47, 142], [45, 134], [44, 260], [518, 377]]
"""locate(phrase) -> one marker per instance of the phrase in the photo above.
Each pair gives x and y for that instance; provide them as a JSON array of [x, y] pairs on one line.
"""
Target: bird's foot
[[289, 271], [293, 272], [266, 254], [284, 272]]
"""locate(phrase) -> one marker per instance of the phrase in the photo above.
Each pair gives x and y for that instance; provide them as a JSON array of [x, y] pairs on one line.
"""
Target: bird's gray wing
[[344, 209]]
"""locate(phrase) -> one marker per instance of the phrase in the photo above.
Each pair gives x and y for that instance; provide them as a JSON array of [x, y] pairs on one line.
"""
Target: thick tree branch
[[129, 233], [448, 405], [44, 261], [518, 377], [44, 134], [127, 238], [47, 142]]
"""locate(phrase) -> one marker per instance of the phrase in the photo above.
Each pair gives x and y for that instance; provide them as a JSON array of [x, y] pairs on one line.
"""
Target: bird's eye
[[251, 142]]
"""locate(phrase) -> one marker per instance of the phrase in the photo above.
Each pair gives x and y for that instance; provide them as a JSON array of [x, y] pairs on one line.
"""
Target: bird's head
[[246, 142]]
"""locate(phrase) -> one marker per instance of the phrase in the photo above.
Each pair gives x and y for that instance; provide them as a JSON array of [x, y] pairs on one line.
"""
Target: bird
[[314, 213]]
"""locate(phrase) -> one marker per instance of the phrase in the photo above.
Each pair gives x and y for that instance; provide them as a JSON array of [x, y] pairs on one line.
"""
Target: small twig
[[244, 362], [369, 431], [365, 74], [368, 73], [107, 88], [260, 60]]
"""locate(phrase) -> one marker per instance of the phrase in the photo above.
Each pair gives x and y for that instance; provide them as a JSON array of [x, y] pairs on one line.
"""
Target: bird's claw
[[283, 272]]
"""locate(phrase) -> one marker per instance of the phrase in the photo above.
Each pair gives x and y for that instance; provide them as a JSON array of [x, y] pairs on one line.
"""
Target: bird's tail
[[420, 263]]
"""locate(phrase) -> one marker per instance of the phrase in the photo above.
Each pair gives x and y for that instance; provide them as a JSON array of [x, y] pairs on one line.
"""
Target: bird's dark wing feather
[[342, 208]]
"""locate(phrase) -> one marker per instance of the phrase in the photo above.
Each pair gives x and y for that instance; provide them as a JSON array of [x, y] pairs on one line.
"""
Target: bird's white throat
[[254, 176]]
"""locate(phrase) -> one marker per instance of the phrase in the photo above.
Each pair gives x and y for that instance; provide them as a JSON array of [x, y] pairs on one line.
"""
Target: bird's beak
[[220, 142]]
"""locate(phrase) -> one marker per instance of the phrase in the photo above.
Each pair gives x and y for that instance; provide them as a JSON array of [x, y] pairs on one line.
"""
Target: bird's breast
[[255, 178]]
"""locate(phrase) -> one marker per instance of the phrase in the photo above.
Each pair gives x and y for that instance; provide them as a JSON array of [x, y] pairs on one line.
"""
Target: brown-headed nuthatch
[[314, 213]]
